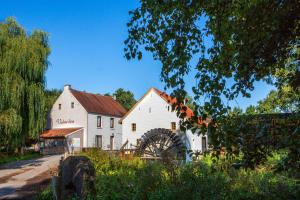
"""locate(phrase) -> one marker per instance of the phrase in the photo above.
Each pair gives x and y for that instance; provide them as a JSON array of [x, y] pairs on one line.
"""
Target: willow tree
[[23, 63]]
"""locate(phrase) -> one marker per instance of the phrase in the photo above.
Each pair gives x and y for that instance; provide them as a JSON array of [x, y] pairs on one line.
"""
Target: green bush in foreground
[[132, 178]]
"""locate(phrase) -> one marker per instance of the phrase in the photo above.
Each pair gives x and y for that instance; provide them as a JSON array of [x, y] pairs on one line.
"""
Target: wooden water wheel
[[161, 144]]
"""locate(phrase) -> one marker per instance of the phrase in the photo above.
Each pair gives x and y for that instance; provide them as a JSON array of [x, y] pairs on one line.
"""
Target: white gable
[[152, 111]]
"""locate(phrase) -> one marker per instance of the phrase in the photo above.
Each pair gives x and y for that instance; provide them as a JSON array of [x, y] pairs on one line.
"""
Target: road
[[19, 179]]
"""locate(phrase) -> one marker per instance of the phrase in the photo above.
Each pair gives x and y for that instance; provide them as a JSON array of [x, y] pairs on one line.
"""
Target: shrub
[[133, 178]]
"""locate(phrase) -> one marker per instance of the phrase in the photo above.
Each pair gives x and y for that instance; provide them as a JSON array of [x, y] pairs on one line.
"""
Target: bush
[[132, 178]]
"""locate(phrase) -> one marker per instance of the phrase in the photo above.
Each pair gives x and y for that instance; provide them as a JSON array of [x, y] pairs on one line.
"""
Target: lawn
[[4, 158]]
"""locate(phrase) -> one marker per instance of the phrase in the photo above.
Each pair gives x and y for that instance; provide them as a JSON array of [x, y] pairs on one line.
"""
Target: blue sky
[[86, 40]]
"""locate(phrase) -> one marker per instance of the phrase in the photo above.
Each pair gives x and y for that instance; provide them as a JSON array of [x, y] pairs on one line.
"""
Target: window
[[72, 104], [133, 127], [98, 141], [173, 126], [150, 110], [112, 123], [99, 122], [138, 142], [168, 108], [204, 147], [59, 106]]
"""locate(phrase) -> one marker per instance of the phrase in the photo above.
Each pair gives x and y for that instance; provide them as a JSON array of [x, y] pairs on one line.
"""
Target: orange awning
[[58, 133]]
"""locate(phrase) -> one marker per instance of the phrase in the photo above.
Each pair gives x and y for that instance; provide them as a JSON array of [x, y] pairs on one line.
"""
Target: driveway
[[18, 178]]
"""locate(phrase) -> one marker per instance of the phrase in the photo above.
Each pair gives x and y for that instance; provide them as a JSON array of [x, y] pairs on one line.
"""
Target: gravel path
[[22, 175]]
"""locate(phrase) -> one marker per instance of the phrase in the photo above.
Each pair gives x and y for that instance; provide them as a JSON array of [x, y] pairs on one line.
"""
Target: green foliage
[[23, 62], [46, 194], [285, 99], [125, 98], [251, 41], [132, 178], [256, 137]]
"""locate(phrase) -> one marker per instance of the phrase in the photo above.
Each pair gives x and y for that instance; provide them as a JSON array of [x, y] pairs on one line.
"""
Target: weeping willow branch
[[23, 63]]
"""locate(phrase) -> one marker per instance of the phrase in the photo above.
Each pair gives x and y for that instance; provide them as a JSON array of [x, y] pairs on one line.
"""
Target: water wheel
[[161, 144]]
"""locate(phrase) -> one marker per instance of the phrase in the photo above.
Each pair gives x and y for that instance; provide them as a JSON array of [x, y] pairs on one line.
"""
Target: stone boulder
[[76, 177]]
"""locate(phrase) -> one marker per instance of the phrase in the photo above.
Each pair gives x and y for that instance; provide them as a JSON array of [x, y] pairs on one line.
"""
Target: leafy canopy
[[251, 41], [125, 98]]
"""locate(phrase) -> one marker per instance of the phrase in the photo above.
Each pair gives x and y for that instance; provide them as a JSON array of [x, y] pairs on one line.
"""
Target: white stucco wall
[[105, 131], [68, 117], [158, 117]]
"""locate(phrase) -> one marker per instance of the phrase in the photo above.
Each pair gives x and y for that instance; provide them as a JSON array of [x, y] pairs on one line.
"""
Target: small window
[[112, 123], [133, 127], [138, 142], [150, 110], [173, 126], [99, 121], [72, 104], [59, 106], [168, 108]]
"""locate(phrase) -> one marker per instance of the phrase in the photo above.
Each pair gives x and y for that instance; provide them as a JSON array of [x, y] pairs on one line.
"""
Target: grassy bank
[[4, 158]]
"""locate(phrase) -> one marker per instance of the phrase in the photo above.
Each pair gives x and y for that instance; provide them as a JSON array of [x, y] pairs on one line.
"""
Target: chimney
[[114, 97], [67, 87]]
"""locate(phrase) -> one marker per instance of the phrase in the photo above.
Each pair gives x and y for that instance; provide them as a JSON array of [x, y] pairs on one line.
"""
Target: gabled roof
[[170, 100], [58, 133], [95, 103]]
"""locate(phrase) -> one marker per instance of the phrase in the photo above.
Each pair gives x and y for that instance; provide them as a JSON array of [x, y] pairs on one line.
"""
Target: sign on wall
[[62, 121]]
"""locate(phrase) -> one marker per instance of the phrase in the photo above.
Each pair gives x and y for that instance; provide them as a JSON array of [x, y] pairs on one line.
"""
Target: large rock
[[77, 176]]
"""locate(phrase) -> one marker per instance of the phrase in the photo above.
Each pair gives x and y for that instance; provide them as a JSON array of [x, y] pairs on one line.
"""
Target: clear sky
[[86, 40]]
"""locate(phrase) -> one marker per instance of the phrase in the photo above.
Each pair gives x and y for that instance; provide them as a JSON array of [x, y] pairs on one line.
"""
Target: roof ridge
[[89, 93]]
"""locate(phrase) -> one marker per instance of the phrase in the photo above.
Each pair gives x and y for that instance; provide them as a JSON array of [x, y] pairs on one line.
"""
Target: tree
[[125, 98], [251, 110], [23, 63], [50, 98], [189, 102], [251, 41], [282, 100]]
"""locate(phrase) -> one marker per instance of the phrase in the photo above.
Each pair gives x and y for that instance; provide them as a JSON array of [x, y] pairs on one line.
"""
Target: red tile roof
[[58, 133], [172, 101], [94, 103]]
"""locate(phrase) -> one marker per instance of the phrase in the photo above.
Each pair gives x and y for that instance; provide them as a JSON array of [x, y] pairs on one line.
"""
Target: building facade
[[154, 110], [84, 120]]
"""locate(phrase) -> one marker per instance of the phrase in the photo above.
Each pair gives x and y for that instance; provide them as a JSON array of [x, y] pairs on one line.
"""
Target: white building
[[154, 110], [81, 120]]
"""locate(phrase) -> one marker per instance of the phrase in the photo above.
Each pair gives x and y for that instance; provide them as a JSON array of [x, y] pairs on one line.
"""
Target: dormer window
[[59, 106], [72, 104]]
